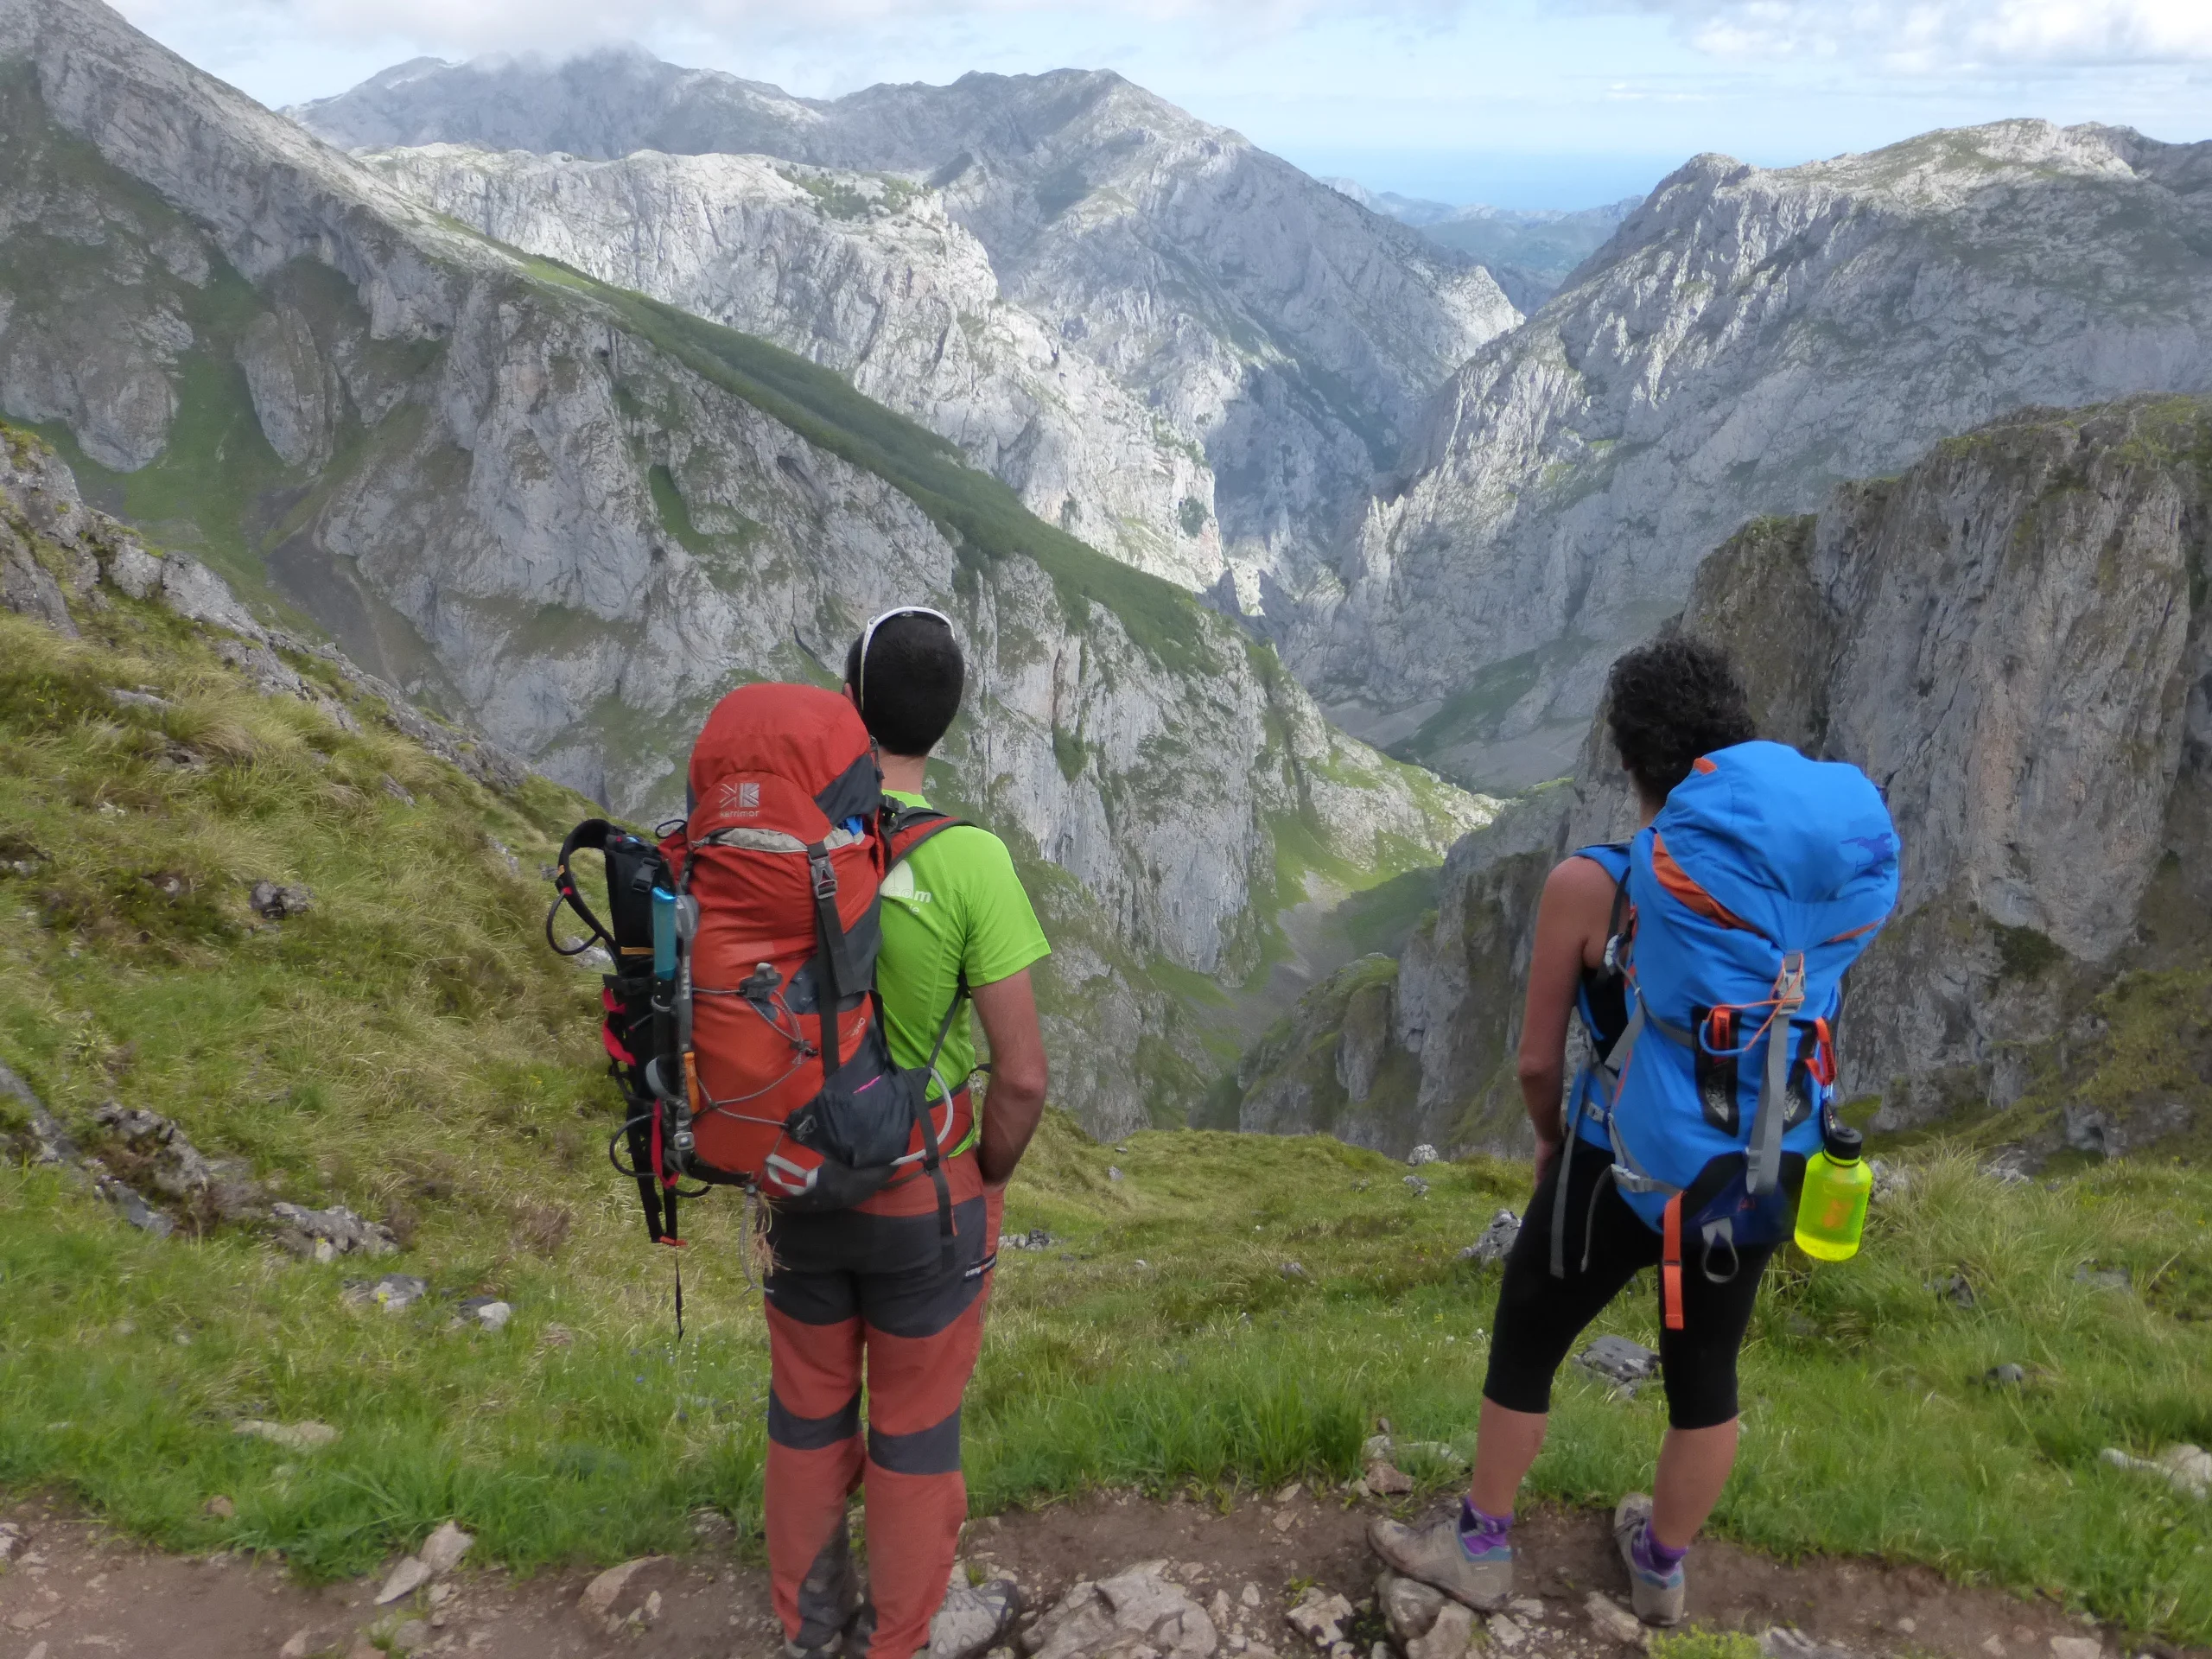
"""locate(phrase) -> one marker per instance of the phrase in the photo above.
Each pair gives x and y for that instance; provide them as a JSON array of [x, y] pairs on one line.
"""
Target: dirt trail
[[75, 1590]]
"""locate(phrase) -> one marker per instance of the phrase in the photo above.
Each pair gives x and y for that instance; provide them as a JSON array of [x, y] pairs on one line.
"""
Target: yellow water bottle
[[1832, 1209]]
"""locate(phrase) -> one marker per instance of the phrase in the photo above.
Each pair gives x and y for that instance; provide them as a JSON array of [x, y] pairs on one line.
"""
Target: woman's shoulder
[[1582, 887], [1584, 872]]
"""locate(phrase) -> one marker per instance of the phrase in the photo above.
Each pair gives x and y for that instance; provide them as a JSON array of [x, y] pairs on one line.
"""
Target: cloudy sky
[[1522, 103]]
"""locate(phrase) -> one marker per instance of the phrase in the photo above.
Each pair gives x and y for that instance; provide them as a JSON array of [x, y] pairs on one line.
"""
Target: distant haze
[[1564, 183]]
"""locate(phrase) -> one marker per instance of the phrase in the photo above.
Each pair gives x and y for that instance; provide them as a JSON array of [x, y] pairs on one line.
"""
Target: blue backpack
[[1761, 882]]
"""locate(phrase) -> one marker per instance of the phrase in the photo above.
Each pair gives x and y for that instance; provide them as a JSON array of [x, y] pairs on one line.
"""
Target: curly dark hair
[[1670, 702]]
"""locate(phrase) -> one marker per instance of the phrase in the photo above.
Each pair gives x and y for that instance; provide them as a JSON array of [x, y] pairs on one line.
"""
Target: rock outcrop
[[1289, 331], [2012, 639], [572, 519], [1747, 341]]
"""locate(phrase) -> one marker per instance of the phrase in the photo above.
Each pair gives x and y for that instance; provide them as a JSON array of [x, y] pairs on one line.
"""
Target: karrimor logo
[[748, 796]]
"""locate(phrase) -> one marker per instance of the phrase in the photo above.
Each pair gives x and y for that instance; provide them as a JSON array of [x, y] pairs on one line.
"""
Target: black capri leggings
[[1539, 1316]]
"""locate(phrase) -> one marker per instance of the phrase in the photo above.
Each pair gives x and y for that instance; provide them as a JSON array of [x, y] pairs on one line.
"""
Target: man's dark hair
[[911, 688], [1670, 702]]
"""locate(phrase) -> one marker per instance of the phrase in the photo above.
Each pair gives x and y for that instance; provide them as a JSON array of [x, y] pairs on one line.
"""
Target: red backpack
[[765, 1062]]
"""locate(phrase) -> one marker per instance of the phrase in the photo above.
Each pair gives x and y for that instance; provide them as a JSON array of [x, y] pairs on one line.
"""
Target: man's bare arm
[[1016, 1102]]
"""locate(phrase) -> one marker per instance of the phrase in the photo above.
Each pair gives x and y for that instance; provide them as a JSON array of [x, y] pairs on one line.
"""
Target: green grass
[[1383, 917], [1703, 1644]]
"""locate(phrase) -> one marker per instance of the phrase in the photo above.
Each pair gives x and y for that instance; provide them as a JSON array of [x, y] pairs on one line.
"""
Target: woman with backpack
[[1803, 853]]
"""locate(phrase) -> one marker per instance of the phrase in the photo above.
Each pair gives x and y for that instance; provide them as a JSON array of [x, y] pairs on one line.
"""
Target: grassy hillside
[[1231, 1313]]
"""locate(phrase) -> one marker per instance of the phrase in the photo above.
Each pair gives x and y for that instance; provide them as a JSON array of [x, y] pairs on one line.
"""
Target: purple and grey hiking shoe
[[1473, 1565], [1656, 1581]]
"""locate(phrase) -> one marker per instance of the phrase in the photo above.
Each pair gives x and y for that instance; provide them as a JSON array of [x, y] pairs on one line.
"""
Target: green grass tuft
[[1703, 1644]]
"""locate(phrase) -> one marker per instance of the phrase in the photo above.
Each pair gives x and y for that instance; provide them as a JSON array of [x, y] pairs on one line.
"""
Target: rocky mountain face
[[2013, 638], [867, 275], [573, 517], [1747, 340], [1290, 333]]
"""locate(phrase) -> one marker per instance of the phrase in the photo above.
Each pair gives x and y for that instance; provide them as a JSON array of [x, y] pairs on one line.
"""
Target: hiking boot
[[972, 1619], [851, 1643], [859, 1631], [1657, 1597], [1437, 1556], [828, 1598]]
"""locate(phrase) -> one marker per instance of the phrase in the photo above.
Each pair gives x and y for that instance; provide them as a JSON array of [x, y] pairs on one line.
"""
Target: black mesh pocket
[[1716, 1073]]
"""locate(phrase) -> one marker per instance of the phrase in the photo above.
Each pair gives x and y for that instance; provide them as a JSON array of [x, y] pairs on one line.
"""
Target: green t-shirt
[[953, 905]]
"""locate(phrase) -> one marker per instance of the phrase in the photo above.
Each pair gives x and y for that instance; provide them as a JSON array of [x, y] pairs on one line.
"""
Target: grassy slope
[[408, 1048]]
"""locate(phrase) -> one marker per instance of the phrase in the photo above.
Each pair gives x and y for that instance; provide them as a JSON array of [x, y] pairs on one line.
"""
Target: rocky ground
[[1286, 1575]]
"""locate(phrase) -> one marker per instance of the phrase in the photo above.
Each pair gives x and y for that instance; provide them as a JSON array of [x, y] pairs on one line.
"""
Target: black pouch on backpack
[[634, 867]]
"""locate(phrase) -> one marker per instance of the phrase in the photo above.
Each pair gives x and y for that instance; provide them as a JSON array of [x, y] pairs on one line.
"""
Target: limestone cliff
[[1747, 340], [2013, 638], [869, 275], [1292, 332]]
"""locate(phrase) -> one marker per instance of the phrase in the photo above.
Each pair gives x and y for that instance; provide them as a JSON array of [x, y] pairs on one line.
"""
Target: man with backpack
[[1706, 957], [875, 1293]]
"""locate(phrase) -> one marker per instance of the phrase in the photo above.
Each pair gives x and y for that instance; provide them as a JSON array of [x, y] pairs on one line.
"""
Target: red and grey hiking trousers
[[866, 1296]]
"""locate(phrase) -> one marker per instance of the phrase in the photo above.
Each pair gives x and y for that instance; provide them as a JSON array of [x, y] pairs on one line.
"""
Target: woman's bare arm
[[1571, 923]]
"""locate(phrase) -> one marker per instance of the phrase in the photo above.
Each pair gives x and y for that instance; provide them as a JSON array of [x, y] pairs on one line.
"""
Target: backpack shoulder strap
[[906, 827], [1612, 857]]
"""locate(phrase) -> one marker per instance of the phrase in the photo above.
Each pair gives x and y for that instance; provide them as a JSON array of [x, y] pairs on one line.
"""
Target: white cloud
[[1946, 36], [470, 26]]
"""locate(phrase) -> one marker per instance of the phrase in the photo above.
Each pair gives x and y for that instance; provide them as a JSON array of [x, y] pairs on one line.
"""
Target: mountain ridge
[[1290, 334], [1747, 340], [1531, 252]]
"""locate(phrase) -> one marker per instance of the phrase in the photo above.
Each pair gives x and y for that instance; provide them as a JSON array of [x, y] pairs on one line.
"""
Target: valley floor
[[76, 1587]]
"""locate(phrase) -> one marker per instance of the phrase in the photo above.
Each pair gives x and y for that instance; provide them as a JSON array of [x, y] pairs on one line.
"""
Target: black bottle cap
[[1842, 1143]]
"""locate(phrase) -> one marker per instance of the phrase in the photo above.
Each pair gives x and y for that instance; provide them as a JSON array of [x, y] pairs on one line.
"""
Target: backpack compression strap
[[1765, 1173]]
